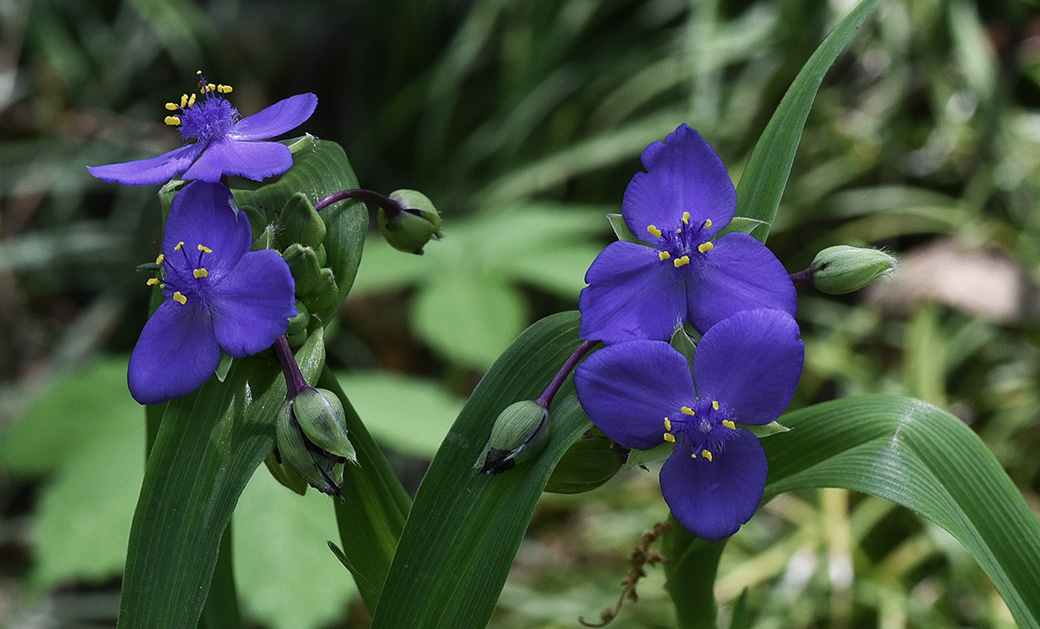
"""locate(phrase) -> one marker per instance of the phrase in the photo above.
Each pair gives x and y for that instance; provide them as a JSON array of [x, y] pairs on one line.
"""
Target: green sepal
[[621, 230], [284, 473], [320, 415], [294, 451]]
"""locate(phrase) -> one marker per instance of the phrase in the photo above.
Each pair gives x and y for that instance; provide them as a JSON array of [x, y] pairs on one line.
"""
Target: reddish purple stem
[[545, 399]]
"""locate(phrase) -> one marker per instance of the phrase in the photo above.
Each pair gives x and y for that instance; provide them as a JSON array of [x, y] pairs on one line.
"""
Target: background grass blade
[[464, 528], [913, 454], [765, 177]]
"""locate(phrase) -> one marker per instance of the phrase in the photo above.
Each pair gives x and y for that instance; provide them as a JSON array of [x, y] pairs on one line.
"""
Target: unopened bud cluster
[[312, 441]]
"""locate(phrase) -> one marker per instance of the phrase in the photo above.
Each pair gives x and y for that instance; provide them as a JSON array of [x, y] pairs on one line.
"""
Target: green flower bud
[[306, 271], [587, 464], [519, 434], [411, 229], [300, 224], [285, 474], [843, 269], [312, 439]]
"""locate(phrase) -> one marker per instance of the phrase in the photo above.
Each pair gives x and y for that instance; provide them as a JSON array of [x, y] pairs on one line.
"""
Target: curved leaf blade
[[913, 454], [464, 528]]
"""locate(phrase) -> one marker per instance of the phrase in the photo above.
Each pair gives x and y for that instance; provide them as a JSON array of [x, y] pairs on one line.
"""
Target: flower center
[[706, 426], [183, 278], [203, 120], [684, 244]]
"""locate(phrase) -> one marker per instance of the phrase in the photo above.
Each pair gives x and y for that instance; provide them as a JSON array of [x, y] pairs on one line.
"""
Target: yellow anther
[[669, 437], [173, 121], [705, 247], [179, 246], [653, 230], [667, 424], [200, 273], [159, 259], [172, 107], [211, 87], [706, 454], [152, 281], [686, 218], [687, 410], [664, 255], [205, 249], [683, 261], [728, 423], [191, 100], [184, 100], [179, 298], [715, 404], [225, 89], [707, 223]]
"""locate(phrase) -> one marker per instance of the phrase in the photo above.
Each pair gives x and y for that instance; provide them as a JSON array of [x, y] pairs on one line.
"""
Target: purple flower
[[677, 207], [218, 294], [220, 142], [641, 394]]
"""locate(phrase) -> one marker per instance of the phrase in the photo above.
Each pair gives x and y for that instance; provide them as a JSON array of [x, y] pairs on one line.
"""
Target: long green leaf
[[208, 446], [765, 177], [913, 454], [465, 528]]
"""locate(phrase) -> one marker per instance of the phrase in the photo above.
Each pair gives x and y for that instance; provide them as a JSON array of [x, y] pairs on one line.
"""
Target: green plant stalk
[[374, 506]]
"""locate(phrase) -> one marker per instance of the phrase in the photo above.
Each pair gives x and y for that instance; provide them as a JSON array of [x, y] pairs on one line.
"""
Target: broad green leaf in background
[[906, 451], [86, 434], [762, 184], [468, 306], [407, 414], [283, 568], [464, 528]]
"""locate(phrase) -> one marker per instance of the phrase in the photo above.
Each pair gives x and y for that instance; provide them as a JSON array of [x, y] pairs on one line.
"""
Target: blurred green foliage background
[[524, 121]]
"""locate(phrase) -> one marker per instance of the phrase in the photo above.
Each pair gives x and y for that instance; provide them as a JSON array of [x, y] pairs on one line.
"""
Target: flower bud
[[312, 439], [297, 332], [843, 269], [300, 223], [587, 464], [306, 271], [519, 434], [411, 229]]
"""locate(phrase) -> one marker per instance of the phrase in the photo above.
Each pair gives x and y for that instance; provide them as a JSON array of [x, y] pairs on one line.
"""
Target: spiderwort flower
[[745, 370], [218, 296], [677, 207], [220, 142]]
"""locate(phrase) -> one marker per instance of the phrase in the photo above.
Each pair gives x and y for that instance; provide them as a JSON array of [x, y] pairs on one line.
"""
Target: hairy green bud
[[416, 225], [519, 434], [843, 269], [305, 266]]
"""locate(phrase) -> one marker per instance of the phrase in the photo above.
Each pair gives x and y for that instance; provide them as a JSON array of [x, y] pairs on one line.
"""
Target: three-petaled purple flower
[[745, 371], [677, 207], [218, 294], [221, 143]]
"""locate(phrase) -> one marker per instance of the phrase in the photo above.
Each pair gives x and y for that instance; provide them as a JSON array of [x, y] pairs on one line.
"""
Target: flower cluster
[[217, 294], [639, 390]]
